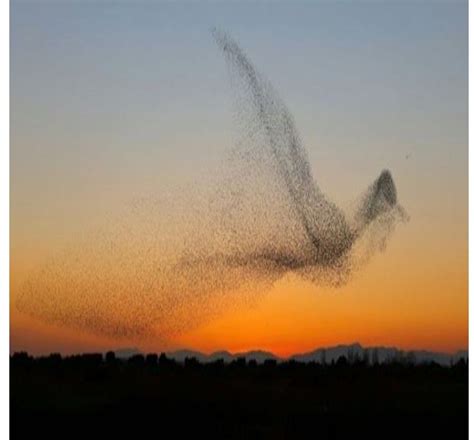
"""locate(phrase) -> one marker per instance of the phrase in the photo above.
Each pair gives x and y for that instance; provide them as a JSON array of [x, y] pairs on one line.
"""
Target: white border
[[4, 218], [471, 204]]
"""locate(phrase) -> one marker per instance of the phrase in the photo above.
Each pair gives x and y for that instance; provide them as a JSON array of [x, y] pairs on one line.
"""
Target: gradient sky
[[113, 101]]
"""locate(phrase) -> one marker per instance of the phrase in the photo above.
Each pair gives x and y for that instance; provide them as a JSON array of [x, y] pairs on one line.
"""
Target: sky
[[112, 101]]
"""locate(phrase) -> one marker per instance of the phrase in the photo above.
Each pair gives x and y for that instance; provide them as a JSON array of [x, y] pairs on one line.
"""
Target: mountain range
[[326, 354]]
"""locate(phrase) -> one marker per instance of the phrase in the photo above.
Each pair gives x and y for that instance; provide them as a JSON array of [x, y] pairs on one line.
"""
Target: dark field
[[88, 397]]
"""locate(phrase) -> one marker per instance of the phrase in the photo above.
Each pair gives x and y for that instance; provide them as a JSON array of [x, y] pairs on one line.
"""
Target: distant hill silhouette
[[379, 353], [125, 353], [330, 354]]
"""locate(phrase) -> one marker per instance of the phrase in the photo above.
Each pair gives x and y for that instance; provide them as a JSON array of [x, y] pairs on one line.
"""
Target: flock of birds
[[150, 275]]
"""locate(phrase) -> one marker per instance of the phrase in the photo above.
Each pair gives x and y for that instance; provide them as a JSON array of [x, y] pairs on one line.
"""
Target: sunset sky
[[111, 102]]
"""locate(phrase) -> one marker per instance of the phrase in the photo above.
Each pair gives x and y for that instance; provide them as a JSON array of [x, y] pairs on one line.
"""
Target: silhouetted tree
[[151, 359], [252, 363], [218, 363], [191, 362], [375, 356], [163, 359], [410, 358], [110, 357], [137, 360], [239, 362], [51, 361], [165, 362], [365, 358], [269, 363], [342, 361], [350, 356], [323, 356]]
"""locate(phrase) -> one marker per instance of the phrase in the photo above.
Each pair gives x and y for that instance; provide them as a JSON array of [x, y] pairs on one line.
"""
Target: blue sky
[[112, 101]]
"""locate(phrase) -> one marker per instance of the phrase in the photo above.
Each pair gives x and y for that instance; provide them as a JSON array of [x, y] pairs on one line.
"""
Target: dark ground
[[86, 397]]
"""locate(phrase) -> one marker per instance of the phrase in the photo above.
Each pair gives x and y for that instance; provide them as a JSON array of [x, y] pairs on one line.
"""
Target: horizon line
[[137, 350]]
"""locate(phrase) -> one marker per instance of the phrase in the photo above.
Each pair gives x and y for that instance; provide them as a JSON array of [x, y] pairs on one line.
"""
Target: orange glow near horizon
[[391, 302]]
